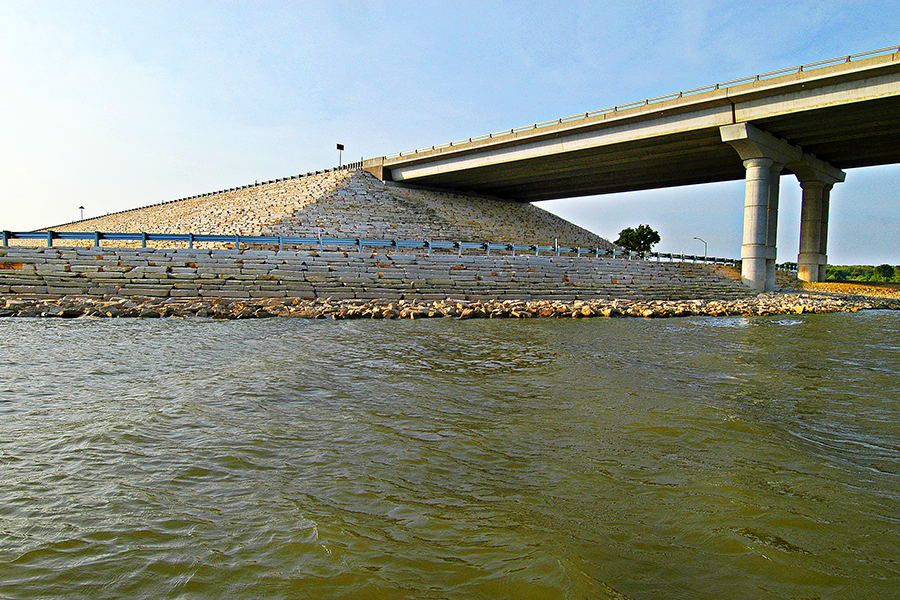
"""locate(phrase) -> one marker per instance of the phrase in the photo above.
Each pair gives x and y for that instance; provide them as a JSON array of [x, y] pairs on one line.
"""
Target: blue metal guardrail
[[359, 243]]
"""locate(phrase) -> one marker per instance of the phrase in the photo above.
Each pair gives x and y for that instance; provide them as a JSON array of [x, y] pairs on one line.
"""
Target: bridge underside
[[848, 136], [681, 159]]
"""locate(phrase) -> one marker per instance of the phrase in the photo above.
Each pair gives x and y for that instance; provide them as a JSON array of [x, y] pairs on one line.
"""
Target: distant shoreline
[[875, 288]]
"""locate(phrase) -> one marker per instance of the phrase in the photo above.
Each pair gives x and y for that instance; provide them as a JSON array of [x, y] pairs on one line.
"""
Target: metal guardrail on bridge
[[359, 243]]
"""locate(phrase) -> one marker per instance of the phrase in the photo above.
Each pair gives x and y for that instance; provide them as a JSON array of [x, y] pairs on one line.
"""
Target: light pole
[[81, 208], [705, 246]]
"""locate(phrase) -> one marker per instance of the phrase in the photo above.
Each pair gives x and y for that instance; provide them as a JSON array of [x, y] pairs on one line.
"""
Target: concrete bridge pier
[[816, 178], [813, 257], [756, 253], [765, 156]]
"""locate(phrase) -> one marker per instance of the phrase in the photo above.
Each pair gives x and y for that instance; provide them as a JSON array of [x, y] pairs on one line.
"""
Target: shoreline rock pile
[[762, 304]]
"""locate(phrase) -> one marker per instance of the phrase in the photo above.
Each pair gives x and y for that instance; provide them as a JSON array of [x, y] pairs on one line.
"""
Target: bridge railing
[[613, 109], [340, 243]]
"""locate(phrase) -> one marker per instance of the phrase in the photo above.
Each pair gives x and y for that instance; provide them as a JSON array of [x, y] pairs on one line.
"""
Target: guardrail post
[[458, 245], [321, 245], [96, 239], [49, 239], [488, 247], [190, 241], [143, 239], [237, 242], [280, 244], [359, 245], [5, 239]]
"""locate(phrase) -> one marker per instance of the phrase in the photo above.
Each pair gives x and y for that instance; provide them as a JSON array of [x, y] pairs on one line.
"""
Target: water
[[605, 458]]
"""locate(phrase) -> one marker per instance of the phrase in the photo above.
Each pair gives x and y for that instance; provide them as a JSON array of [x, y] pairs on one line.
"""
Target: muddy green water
[[605, 458]]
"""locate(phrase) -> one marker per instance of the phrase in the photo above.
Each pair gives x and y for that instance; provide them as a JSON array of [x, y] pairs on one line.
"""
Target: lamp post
[[705, 246], [81, 208]]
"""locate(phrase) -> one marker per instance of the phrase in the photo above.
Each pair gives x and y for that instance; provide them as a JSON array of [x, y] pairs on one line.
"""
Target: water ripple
[[700, 457]]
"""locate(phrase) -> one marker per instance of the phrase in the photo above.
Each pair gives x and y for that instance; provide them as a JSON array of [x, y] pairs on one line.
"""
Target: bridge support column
[[755, 251], [764, 156], [813, 257], [816, 178]]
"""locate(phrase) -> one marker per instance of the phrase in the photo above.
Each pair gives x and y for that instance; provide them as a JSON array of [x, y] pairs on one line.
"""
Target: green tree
[[886, 272], [836, 274], [640, 239]]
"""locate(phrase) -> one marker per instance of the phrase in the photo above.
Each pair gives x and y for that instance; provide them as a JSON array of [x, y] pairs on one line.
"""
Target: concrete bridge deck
[[847, 114], [812, 121]]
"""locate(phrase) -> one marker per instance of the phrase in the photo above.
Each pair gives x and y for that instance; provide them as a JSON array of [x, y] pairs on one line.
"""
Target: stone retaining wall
[[235, 274]]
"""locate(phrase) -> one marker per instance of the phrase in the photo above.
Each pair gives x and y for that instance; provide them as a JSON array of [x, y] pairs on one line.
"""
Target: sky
[[117, 105]]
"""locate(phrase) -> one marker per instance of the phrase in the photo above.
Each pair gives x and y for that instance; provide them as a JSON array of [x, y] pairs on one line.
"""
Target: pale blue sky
[[115, 105]]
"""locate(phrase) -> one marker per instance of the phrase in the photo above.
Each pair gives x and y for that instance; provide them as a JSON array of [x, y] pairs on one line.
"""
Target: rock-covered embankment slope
[[346, 203]]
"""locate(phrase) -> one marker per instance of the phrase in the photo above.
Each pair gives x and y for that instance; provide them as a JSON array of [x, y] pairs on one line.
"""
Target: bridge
[[812, 121]]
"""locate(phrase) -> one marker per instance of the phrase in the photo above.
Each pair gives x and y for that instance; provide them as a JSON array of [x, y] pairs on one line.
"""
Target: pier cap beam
[[750, 142], [816, 181], [816, 177]]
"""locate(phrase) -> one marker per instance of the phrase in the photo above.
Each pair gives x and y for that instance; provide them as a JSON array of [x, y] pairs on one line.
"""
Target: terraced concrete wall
[[182, 273]]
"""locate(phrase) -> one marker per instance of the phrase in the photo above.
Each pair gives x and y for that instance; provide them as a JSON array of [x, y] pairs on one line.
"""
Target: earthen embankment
[[344, 203], [351, 204]]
